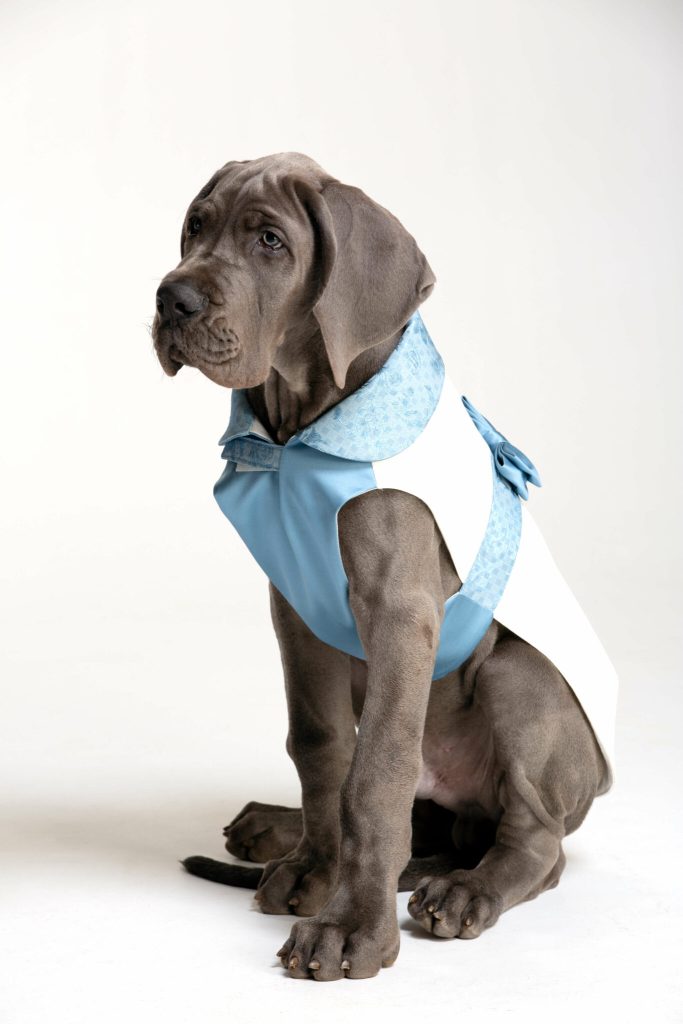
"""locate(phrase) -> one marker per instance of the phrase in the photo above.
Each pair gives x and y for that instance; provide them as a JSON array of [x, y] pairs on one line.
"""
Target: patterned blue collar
[[379, 420]]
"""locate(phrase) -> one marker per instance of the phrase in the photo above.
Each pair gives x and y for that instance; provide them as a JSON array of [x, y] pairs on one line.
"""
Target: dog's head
[[270, 244]]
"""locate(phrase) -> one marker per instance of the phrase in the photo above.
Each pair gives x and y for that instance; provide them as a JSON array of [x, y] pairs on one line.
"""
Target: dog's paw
[[326, 949], [299, 883], [456, 905], [263, 832]]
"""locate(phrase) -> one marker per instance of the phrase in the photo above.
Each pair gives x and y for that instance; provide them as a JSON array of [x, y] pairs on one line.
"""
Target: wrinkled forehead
[[267, 181]]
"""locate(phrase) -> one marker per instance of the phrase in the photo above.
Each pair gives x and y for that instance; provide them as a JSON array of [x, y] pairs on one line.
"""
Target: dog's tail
[[249, 878], [226, 874]]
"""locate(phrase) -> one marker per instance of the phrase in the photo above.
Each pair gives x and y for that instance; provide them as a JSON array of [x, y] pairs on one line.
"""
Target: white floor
[[112, 783], [535, 151]]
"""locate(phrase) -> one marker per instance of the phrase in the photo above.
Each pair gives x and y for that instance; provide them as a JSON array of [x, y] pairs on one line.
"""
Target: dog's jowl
[[451, 711]]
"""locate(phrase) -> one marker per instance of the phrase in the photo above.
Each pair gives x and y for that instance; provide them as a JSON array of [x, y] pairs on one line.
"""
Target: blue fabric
[[287, 515], [288, 520], [512, 464], [493, 564], [464, 624], [252, 451], [379, 420], [391, 409]]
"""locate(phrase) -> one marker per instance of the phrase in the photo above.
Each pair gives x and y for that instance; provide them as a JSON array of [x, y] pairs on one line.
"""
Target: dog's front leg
[[320, 741], [394, 593]]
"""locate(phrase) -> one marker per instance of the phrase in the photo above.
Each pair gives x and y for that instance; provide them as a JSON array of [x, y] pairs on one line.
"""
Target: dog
[[301, 293]]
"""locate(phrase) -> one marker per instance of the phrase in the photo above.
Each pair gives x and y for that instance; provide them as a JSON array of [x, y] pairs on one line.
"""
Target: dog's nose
[[179, 300]]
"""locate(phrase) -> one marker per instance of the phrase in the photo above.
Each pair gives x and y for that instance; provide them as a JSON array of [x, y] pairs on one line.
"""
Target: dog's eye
[[194, 226], [270, 240]]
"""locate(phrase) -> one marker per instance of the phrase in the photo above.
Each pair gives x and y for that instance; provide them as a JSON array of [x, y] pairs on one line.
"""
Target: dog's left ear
[[372, 275]]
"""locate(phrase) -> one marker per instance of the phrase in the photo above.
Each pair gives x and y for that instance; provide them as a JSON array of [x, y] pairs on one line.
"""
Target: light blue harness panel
[[286, 508]]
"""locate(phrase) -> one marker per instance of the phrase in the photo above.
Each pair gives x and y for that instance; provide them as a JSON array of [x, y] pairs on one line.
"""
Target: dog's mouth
[[175, 356], [198, 344]]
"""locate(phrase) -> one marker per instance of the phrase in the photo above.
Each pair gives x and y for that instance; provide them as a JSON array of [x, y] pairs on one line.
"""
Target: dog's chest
[[458, 769], [458, 761]]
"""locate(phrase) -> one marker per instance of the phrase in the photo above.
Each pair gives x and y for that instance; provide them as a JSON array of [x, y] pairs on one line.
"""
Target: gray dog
[[297, 288]]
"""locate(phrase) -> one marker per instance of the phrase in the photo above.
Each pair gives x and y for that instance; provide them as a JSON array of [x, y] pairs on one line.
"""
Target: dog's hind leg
[[259, 830], [263, 832], [249, 878], [549, 769]]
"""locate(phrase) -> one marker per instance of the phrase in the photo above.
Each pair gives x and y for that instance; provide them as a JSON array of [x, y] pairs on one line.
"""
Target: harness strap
[[512, 470]]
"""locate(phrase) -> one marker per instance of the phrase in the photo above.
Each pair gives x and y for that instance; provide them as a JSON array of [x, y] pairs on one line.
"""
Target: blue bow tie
[[511, 463]]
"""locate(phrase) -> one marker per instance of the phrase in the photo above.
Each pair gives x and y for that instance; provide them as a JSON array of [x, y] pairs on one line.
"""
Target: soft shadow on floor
[[149, 832]]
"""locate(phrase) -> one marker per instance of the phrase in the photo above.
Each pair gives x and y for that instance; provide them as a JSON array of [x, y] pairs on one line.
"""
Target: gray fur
[[479, 775]]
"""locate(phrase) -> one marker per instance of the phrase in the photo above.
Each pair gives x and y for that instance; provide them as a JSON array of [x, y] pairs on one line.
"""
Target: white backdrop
[[534, 149]]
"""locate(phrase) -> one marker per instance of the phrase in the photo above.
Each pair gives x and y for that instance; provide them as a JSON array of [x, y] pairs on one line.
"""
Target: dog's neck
[[300, 386]]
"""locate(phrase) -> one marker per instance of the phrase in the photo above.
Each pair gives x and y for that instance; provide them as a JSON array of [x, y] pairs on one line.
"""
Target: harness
[[284, 499], [409, 428]]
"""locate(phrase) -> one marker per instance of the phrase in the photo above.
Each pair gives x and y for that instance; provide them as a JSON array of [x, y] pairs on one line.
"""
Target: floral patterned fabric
[[377, 421]]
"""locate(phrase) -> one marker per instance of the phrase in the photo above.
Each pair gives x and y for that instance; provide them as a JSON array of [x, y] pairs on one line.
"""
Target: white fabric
[[449, 468]]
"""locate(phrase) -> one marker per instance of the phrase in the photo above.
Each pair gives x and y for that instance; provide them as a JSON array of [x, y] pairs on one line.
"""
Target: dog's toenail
[[294, 963], [413, 899], [468, 922], [294, 902], [431, 908], [314, 965], [438, 915], [281, 952], [346, 966], [258, 896]]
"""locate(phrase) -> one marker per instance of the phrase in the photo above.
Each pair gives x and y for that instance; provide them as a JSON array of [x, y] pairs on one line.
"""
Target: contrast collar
[[380, 419]]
